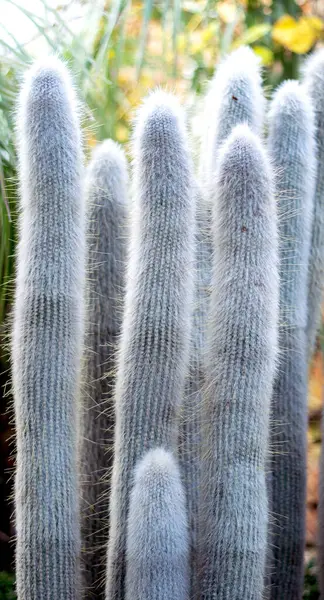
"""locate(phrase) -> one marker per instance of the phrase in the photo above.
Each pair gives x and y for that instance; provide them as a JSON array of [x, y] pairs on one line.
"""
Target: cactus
[[190, 417], [222, 429], [292, 148], [240, 366], [156, 325], [234, 96], [314, 83], [106, 194], [47, 335], [157, 555]]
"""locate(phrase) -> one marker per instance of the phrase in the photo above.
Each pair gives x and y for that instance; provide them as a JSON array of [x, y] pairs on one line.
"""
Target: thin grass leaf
[[227, 37], [33, 18], [113, 17], [17, 47], [148, 6], [121, 37], [4, 192], [176, 29]]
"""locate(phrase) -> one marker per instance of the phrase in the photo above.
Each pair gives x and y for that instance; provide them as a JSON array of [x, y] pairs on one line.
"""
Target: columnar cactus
[[105, 188], [156, 326], [314, 82], [292, 149], [190, 417], [241, 358], [220, 419], [47, 335], [157, 534], [234, 96]]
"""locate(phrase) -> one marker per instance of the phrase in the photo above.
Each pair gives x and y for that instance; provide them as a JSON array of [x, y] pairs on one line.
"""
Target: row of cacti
[[161, 345]]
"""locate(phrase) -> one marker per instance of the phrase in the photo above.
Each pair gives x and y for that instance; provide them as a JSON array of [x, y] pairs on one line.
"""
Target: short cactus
[[157, 533], [47, 335], [292, 149], [105, 187], [241, 358], [156, 327]]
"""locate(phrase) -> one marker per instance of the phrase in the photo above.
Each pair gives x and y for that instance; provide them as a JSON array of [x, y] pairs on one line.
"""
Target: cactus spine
[[157, 533], [292, 148], [241, 356], [105, 188], [47, 335], [155, 332]]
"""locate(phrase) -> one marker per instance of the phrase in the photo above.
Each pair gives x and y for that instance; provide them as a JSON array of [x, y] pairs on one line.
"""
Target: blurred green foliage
[[7, 586], [311, 590]]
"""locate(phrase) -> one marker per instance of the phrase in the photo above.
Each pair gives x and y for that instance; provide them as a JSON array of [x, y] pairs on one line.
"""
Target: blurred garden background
[[118, 50]]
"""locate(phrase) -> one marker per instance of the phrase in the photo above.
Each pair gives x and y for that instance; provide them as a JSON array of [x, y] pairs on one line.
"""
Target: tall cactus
[[47, 335], [234, 96], [314, 83], [157, 533], [105, 185], [155, 331], [241, 357], [190, 417], [292, 148]]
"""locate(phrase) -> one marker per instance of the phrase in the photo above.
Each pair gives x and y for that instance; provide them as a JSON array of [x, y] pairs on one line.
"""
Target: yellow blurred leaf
[[251, 35], [197, 46], [122, 133], [181, 42], [265, 54], [316, 23], [297, 36], [209, 32], [194, 22]]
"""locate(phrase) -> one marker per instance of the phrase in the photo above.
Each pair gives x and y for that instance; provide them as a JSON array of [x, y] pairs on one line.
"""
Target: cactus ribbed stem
[[314, 83], [240, 366], [292, 149], [234, 96], [105, 185], [47, 335], [157, 532], [156, 326], [190, 418]]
